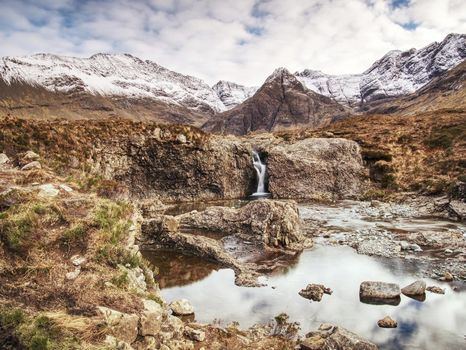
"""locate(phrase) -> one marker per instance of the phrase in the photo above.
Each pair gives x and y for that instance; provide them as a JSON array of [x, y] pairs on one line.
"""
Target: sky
[[237, 40]]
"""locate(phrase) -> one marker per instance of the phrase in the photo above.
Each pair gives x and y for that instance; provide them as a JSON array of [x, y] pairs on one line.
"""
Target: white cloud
[[238, 40]]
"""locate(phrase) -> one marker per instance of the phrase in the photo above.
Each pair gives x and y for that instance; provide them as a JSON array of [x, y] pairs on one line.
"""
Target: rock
[[28, 157], [435, 289], [416, 288], [332, 337], [458, 209], [270, 222], [136, 278], [181, 307], [447, 277], [78, 260], [315, 292], [387, 322], [48, 190], [73, 274], [114, 343], [194, 334], [448, 251], [31, 166], [378, 290], [315, 168], [4, 159], [151, 318], [410, 246], [181, 138], [123, 326], [66, 188]]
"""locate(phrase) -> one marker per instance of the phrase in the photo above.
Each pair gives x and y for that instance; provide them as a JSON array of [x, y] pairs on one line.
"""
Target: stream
[[439, 322]]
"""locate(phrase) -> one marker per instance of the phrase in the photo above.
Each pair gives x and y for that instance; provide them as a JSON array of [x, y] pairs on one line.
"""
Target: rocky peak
[[232, 94], [396, 73]]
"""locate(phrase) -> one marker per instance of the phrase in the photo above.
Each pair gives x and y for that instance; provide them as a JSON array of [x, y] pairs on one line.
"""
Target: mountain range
[[121, 85]]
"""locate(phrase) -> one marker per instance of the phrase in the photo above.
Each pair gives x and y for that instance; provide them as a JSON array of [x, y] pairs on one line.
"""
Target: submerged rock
[[181, 307], [315, 292], [379, 290], [416, 288], [435, 289], [387, 322], [333, 337]]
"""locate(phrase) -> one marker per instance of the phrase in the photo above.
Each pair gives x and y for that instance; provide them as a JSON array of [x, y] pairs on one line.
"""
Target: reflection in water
[[436, 323], [176, 269]]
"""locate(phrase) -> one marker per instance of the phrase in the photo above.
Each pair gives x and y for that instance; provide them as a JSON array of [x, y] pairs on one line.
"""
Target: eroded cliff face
[[180, 170], [181, 163], [315, 168]]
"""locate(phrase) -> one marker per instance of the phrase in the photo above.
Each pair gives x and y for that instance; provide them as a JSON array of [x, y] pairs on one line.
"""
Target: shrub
[[445, 136], [112, 220], [75, 233]]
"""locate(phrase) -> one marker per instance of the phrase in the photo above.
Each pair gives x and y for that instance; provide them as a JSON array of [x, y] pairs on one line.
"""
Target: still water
[[437, 323]]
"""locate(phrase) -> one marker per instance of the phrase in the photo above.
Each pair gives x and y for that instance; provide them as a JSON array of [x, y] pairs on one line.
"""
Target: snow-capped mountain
[[232, 94], [397, 73], [120, 75]]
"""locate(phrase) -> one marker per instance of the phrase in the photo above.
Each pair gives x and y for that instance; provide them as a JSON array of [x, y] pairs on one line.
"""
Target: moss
[[155, 298], [121, 280]]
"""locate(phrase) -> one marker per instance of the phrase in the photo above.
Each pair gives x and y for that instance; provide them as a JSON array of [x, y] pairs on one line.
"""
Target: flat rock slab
[[387, 322], [379, 290]]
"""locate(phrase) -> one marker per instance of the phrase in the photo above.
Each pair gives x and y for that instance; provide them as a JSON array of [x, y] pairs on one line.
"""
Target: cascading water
[[260, 170]]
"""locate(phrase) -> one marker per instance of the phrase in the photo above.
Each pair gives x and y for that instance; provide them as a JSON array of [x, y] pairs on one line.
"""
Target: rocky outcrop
[[269, 222], [281, 102], [333, 337], [267, 225], [315, 168]]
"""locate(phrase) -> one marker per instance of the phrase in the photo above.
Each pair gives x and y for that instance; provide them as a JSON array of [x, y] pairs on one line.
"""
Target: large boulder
[[123, 326], [181, 307], [379, 290], [271, 222], [151, 318], [315, 168]]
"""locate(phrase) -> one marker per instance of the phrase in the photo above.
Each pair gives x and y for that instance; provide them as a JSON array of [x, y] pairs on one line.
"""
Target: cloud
[[238, 40]]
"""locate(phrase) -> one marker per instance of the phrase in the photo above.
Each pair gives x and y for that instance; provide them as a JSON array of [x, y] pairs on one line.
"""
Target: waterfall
[[260, 170]]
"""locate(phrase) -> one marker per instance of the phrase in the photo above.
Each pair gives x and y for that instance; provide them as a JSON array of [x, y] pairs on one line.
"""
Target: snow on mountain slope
[[233, 94], [111, 75], [397, 73]]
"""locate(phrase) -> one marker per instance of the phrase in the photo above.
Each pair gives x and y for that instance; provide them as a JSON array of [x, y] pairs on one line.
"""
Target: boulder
[[387, 322], [31, 166], [315, 292], [181, 307], [28, 157], [122, 326], [379, 290], [315, 168], [414, 289], [333, 337], [151, 318], [4, 159], [73, 274], [78, 260], [271, 222], [48, 190], [136, 278]]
